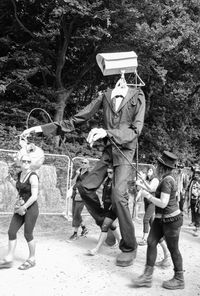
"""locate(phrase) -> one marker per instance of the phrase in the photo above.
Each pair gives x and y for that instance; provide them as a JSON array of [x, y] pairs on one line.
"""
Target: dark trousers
[[171, 232], [182, 201], [197, 219], [119, 196], [29, 220], [77, 208], [148, 215], [192, 207]]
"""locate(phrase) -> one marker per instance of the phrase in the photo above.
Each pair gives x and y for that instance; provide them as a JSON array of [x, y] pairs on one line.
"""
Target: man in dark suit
[[123, 118]]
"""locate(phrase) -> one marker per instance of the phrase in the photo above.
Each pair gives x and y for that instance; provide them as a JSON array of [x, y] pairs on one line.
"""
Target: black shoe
[[84, 231], [73, 237]]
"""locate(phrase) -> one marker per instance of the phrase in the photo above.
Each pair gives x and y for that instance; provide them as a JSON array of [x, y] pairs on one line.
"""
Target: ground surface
[[66, 269]]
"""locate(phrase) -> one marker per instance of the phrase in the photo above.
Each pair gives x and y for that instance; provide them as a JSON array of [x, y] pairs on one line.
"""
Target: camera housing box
[[115, 63]]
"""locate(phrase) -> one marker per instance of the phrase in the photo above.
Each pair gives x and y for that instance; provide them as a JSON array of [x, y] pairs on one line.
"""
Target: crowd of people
[[123, 119]]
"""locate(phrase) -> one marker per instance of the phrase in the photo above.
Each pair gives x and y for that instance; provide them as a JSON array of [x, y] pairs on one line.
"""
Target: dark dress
[[30, 218]]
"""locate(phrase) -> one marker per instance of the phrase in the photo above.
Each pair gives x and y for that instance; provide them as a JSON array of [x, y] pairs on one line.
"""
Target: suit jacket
[[123, 126]]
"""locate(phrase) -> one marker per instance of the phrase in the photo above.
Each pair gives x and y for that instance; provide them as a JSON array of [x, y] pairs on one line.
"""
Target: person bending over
[[107, 205]]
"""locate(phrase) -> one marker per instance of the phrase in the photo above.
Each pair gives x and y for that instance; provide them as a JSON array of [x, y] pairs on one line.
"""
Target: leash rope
[[28, 117], [50, 119], [132, 165], [119, 150]]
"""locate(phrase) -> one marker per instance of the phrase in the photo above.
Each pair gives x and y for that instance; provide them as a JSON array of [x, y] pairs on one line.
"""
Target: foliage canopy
[[47, 60]]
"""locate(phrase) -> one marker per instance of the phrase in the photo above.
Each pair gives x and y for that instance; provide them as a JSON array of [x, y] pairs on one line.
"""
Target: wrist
[[24, 208], [150, 197], [37, 129]]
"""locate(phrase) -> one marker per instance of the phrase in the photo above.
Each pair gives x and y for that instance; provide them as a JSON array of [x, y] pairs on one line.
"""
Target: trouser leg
[[171, 233], [77, 210], [16, 222], [87, 189], [119, 197], [30, 221], [155, 234], [192, 204]]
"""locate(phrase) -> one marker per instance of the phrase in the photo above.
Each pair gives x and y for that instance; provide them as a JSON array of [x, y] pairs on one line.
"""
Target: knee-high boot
[[177, 282], [145, 280]]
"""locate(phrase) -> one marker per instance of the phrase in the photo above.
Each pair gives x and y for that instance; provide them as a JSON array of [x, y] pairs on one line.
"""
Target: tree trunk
[[62, 93], [62, 97]]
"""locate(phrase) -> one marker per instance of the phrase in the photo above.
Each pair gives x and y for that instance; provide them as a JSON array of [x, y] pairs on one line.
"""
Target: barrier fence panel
[[53, 183], [76, 163]]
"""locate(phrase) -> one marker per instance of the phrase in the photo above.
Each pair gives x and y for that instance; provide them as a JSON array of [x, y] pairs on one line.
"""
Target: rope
[[50, 119], [132, 165], [28, 117]]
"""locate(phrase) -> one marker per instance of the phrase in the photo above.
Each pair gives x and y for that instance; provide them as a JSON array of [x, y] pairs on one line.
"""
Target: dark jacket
[[75, 194], [123, 126], [106, 194]]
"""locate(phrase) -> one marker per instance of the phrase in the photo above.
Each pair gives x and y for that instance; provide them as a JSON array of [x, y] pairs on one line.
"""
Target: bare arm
[[161, 202], [139, 194]]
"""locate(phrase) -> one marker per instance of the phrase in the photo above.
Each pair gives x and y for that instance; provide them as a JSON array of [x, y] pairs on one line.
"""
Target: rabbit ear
[[35, 153], [37, 157], [22, 143]]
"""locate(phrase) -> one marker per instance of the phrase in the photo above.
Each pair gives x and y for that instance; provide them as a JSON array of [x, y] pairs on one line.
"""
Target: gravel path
[[65, 269]]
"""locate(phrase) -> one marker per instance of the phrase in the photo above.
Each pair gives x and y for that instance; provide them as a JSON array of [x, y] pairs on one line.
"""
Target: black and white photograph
[[99, 147]]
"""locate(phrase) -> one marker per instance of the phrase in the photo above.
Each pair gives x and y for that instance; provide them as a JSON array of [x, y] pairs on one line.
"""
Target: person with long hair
[[149, 208], [151, 184], [167, 223], [26, 213]]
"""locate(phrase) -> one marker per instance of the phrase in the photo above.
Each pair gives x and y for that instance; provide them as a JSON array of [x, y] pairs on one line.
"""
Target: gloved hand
[[95, 134], [21, 210]]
